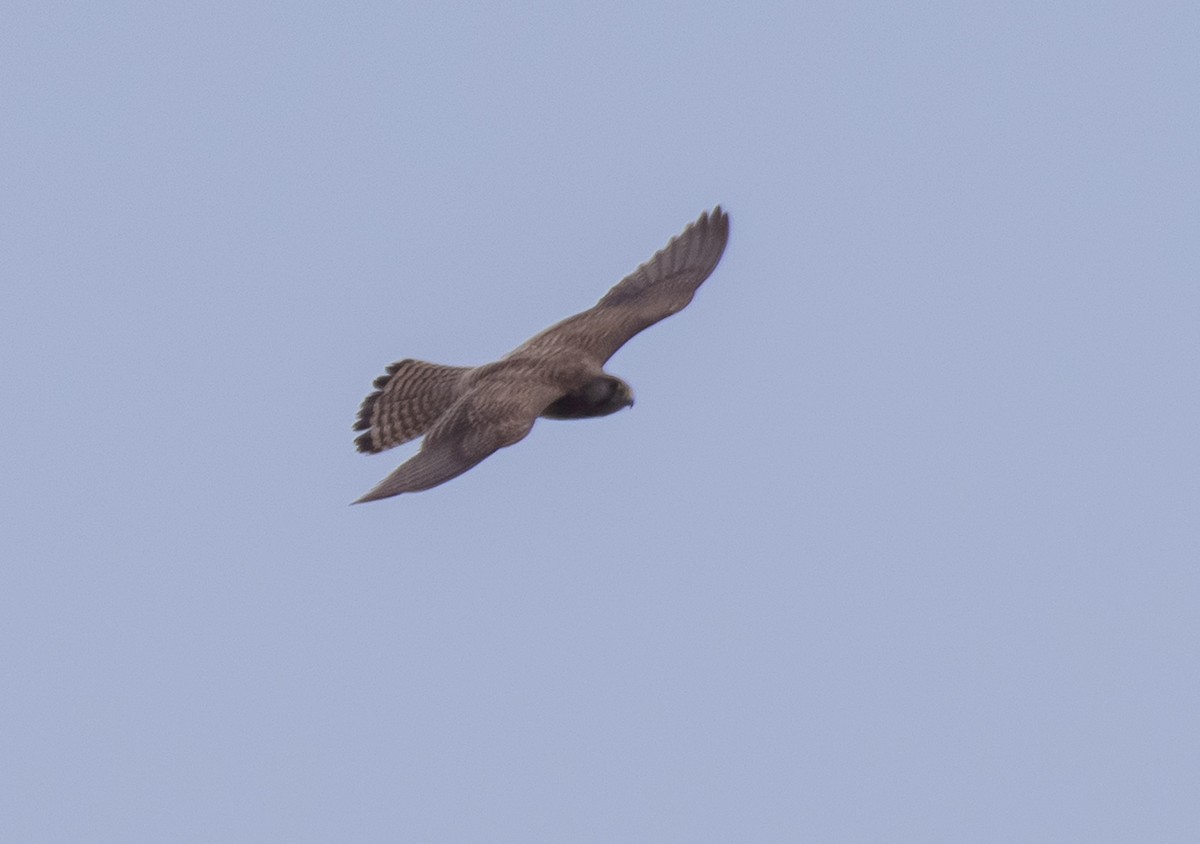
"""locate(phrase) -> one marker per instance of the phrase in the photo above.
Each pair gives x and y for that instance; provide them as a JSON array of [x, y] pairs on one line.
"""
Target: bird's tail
[[408, 399]]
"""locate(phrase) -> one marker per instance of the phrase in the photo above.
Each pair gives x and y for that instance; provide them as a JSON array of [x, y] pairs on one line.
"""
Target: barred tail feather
[[409, 397]]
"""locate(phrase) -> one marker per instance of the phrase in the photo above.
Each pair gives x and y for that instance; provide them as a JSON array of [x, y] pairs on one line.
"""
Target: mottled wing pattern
[[662, 286], [480, 423], [408, 399]]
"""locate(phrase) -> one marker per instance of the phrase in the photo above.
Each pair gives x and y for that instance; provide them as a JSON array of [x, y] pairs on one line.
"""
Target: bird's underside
[[468, 413]]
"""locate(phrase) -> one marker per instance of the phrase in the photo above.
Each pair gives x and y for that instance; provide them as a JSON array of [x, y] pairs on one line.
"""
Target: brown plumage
[[467, 413]]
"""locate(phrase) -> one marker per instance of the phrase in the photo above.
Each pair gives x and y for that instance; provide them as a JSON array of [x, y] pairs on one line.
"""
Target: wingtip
[[716, 219], [372, 495]]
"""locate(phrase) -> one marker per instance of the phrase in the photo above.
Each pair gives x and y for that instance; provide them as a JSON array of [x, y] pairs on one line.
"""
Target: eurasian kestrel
[[466, 413]]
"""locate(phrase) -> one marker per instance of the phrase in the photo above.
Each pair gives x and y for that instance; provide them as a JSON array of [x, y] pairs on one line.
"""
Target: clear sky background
[[900, 542]]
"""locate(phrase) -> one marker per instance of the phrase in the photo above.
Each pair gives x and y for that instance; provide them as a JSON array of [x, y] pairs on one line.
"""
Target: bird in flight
[[467, 413]]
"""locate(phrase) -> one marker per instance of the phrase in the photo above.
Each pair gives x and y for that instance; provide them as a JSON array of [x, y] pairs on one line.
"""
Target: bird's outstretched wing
[[662, 286], [494, 414]]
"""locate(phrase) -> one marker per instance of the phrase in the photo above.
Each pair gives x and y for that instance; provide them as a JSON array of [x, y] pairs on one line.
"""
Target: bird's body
[[468, 413]]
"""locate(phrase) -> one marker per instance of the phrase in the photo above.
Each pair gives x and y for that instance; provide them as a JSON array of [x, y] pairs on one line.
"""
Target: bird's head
[[600, 396], [622, 394], [607, 394]]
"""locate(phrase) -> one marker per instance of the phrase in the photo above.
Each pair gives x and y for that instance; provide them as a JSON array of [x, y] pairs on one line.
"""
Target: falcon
[[467, 413]]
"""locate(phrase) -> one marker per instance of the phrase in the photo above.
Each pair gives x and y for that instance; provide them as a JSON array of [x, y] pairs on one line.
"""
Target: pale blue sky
[[900, 542]]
